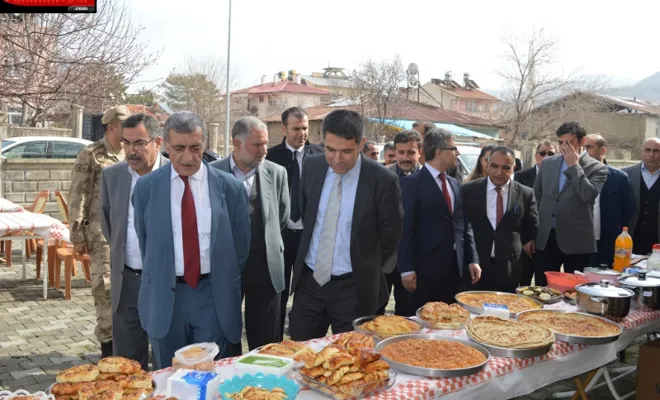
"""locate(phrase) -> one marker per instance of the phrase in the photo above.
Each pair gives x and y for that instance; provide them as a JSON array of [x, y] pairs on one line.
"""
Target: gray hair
[[150, 124], [546, 143], [434, 140], [184, 122], [389, 146], [243, 126]]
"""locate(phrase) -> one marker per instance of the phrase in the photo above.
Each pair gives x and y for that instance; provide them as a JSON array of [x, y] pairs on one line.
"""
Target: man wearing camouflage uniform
[[85, 219]]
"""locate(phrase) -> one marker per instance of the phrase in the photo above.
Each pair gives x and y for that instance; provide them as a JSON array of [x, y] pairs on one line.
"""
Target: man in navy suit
[[437, 242], [193, 227], [614, 206]]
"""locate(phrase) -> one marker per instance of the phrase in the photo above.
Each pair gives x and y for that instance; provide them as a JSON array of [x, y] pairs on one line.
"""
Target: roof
[[23, 139], [610, 103], [456, 130], [282, 87], [402, 109], [466, 93], [330, 82], [634, 104], [139, 108]]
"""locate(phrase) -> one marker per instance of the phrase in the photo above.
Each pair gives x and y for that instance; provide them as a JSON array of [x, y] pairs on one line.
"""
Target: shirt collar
[[155, 166], [197, 176], [649, 172], [291, 149], [491, 185], [434, 172], [233, 165], [353, 172], [402, 172]]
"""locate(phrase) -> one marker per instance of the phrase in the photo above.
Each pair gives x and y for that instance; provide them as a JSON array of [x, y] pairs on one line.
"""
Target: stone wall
[[24, 178], [16, 131]]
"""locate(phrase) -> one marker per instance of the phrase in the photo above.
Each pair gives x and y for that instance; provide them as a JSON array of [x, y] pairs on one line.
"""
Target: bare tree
[[51, 60], [533, 79], [375, 87]]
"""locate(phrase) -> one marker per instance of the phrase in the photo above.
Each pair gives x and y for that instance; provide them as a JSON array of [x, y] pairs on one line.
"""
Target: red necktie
[[191, 263], [445, 192], [499, 208]]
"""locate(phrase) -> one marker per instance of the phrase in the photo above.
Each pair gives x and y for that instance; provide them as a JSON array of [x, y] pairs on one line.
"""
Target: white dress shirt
[[246, 178], [132, 257], [300, 153], [491, 204], [199, 185], [597, 217], [649, 178], [436, 177]]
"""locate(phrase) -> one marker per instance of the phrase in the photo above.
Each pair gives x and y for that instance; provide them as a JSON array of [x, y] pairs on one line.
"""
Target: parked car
[[468, 158], [43, 147]]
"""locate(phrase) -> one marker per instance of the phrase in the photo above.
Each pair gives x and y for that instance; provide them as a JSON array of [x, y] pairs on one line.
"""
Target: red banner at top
[[52, 3]]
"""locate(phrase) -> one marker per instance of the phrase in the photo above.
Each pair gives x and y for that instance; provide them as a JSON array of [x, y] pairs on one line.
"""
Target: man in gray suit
[[644, 226], [351, 209], [193, 227], [268, 192], [566, 187], [141, 139]]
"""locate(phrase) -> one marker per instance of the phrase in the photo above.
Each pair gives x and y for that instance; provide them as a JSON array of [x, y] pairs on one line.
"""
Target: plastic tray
[[254, 368], [269, 382], [357, 392]]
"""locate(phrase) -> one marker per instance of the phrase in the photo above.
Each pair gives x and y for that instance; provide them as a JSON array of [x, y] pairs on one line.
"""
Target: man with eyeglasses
[[141, 138], [84, 201]]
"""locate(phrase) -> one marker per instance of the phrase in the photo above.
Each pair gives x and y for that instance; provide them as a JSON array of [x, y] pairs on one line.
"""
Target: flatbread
[[509, 334], [571, 324], [514, 302]]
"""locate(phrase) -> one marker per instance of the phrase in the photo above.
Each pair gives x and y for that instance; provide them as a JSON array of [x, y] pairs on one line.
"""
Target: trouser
[[552, 258], [402, 297], [100, 259], [291, 241], [129, 338]]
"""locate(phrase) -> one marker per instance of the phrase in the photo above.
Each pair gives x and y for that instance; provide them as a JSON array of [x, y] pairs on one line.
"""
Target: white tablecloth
[[27, 222], [8, 206]]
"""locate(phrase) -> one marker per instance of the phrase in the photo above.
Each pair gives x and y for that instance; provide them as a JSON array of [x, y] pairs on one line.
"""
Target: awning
[[456, 130]]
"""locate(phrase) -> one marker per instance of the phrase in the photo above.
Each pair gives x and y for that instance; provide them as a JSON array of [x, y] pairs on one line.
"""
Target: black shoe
[[106, 349]]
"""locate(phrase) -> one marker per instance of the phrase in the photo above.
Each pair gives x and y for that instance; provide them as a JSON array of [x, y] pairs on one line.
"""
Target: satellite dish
[[412, 69]]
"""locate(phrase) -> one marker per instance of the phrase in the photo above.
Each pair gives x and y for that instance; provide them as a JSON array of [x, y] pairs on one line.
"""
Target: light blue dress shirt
[[649, 178], [341, 259]]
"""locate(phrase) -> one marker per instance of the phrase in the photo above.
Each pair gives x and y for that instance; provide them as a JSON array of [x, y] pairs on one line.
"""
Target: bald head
[[596, 146], [651, 154]]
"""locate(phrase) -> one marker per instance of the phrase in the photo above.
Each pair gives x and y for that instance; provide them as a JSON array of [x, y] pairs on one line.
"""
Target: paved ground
[[39, 338]]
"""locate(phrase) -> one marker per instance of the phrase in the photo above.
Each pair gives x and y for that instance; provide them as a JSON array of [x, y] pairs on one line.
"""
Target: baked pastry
[[390, 325], [499, 332], [355, 340], [118, 365], [435, 354], [255, 393], [441, 315], [135, 394], [68, 389], [323, 356], [79, 373], [287, 348], [514, 302], [571, 324], [91, 389]]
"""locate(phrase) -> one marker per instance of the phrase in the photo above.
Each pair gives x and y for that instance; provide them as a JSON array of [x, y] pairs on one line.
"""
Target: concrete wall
[[24, 178], [15, 130]]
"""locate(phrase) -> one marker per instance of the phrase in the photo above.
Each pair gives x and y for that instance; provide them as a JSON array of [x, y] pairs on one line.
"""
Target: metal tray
[[553, 299], [366, 390], [361, 320], [438, 326], [432, 372], [480, 310], [506, 352], [589, 340], [567, 299]]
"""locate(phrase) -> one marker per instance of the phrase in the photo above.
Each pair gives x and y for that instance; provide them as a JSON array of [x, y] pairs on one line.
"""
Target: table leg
[[25, 244], [51, 264], [581, 384], [46, 267]]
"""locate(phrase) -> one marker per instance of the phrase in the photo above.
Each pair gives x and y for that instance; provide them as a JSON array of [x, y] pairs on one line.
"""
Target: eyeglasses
[[546, 153], [138, 144], [450, 148]]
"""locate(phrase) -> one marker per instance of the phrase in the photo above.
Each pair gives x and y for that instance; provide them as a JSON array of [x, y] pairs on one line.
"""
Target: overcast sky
[[616, 39]]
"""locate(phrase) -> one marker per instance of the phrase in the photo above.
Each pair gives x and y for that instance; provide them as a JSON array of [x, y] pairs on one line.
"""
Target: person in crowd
[[479, 170], [614, 206], [84, 202], [370, 149], [422, 127], [265, 182], [390, 153], [644, 226], [352, 224], [504, 219], [566, 187], [291, 154], [193, 227], [544, 149], [437, 242], [518, 165], [141, 139]]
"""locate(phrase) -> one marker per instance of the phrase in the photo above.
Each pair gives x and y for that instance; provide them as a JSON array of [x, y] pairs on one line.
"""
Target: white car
[[468, 158], [43, 147]]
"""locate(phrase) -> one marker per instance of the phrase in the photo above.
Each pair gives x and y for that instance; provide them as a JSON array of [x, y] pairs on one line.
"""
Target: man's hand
[[475, 272], [81, 249], [571, 155], [410, 282], [530, 248]]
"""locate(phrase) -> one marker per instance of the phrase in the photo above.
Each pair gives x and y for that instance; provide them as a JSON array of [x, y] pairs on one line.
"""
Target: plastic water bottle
[[653, 263]]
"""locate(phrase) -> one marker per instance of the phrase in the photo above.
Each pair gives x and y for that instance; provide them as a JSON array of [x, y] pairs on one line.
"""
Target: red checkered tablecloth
[[8, 206], [27, 222], [409, 387]]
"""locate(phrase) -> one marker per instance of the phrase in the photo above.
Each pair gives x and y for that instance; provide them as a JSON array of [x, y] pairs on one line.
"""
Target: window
[[471, 106], [27, 150], [66, 149], [261, 99]]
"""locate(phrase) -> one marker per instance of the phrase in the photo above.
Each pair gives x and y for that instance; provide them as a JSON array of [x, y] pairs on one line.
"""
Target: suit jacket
[[517, 227], [526, 177], [430, 231], [115, 196], [617, 207], [571, 210], [274, 212], [635, 174], [395, 168], [230, 248], [375, 228], [281, 155]]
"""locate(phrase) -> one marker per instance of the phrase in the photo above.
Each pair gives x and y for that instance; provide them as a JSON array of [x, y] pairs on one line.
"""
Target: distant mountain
[[646, 89]]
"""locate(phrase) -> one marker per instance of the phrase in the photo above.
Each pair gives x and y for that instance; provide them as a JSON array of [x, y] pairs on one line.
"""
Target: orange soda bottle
[[622, 251]]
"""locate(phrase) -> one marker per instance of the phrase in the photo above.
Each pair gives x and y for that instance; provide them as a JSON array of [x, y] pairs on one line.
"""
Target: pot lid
[[602, 271], [640, 280], [603, 289]]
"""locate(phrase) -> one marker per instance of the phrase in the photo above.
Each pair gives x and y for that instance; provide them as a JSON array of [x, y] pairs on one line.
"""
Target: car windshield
[[6, 143], [470, 160]]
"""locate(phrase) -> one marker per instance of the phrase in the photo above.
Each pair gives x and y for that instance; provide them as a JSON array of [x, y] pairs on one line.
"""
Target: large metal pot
[[646, 288], [602, 272], [604, 299]]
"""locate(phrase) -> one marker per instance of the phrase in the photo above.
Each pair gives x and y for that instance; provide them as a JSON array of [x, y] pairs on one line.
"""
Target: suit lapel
[[125, 193], [513, 196], [483, 203], [216, 197], [361, 199], [636, 180], [437, 192], [265, 184], [456, 187]]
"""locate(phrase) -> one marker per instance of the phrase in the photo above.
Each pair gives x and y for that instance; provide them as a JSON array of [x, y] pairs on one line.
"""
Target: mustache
[[134, 157]]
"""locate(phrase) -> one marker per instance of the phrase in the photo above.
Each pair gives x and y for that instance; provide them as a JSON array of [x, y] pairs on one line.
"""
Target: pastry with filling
[[390, 325], [509, 334], [442, 315]]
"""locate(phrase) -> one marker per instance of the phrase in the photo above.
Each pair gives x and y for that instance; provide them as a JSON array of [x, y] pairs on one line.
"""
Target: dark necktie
[[445, 192], [191, 261], [295, 188], [499, 209]]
